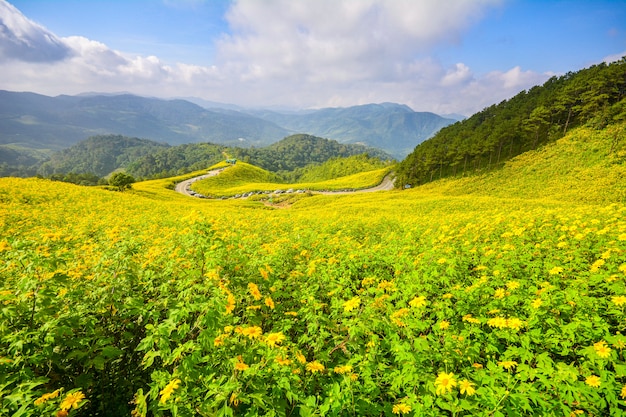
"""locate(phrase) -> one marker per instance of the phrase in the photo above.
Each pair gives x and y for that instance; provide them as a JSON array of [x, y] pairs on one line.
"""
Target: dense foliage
[[422, 302], [595, 95], [99, 155], [288, 154], [298, 151], [176, 160]]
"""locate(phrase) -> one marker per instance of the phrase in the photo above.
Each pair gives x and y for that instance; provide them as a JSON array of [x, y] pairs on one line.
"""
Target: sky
[[443, 56]]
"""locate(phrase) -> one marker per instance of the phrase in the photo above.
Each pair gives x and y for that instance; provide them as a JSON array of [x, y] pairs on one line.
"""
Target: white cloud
[[282, 53], [24, 40]]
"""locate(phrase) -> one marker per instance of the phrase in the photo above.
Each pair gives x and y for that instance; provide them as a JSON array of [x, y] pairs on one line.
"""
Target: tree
[[121, 181]]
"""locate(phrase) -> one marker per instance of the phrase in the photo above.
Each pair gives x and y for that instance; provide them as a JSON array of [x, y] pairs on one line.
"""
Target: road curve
[[386, 185], [184, 187]]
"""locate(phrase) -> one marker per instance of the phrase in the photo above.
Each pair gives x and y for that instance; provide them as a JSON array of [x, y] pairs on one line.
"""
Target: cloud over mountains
[[280, 53]]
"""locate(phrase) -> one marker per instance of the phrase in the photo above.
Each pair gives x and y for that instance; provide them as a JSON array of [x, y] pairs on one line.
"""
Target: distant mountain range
[[33, 125], [42, 122], [394, 128]]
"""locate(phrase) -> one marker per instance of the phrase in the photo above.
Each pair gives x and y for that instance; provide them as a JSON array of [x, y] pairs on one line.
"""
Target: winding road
[[184, 187]]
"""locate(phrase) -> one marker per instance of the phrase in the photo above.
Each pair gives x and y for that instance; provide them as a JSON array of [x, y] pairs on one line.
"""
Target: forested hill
[[99, 155], [297, 151], [595, 96], [292, 152]]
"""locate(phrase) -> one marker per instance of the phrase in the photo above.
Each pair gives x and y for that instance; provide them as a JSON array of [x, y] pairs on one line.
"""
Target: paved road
[[385, 185], [184, 187]]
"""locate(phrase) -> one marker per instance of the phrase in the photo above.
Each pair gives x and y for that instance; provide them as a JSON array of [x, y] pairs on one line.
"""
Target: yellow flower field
[[418, 302]]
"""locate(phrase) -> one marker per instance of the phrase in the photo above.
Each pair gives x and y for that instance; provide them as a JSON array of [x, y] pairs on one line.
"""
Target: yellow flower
[[508, 364], [466, 387], [400, 313], [536, 303], [468, 318], [283, 361], [351, 304], [386, 285], [166, 392], [230, 303], [444, 383], [619, 300], [418, 302], [314, 367], [512, 285], [272, 339], [623, 392], [596, 265], [219, 340], [593, 381], [444, 324], [447, 296], [344, 369], [602, 350], [401, 408], [269, 302], [253, 332], [241, 366], [300, 357], [254, 291], [46, 397], [500, 293], [264, 273], [556, 270], [499, 322], [72, 400], [514, 323]]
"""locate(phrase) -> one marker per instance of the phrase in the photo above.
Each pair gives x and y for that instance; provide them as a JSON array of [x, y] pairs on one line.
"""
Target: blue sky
[[433, 55]]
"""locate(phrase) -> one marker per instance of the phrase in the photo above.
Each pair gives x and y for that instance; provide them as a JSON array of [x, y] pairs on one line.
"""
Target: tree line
[[594, 96]]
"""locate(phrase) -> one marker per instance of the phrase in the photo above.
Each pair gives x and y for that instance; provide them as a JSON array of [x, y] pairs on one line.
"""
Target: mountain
[[41, 122], [595, 96], [394, 128]]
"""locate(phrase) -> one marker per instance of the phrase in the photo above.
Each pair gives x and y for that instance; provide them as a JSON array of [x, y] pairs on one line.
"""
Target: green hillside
[[595, 96], [585, 166], [338, 167]]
